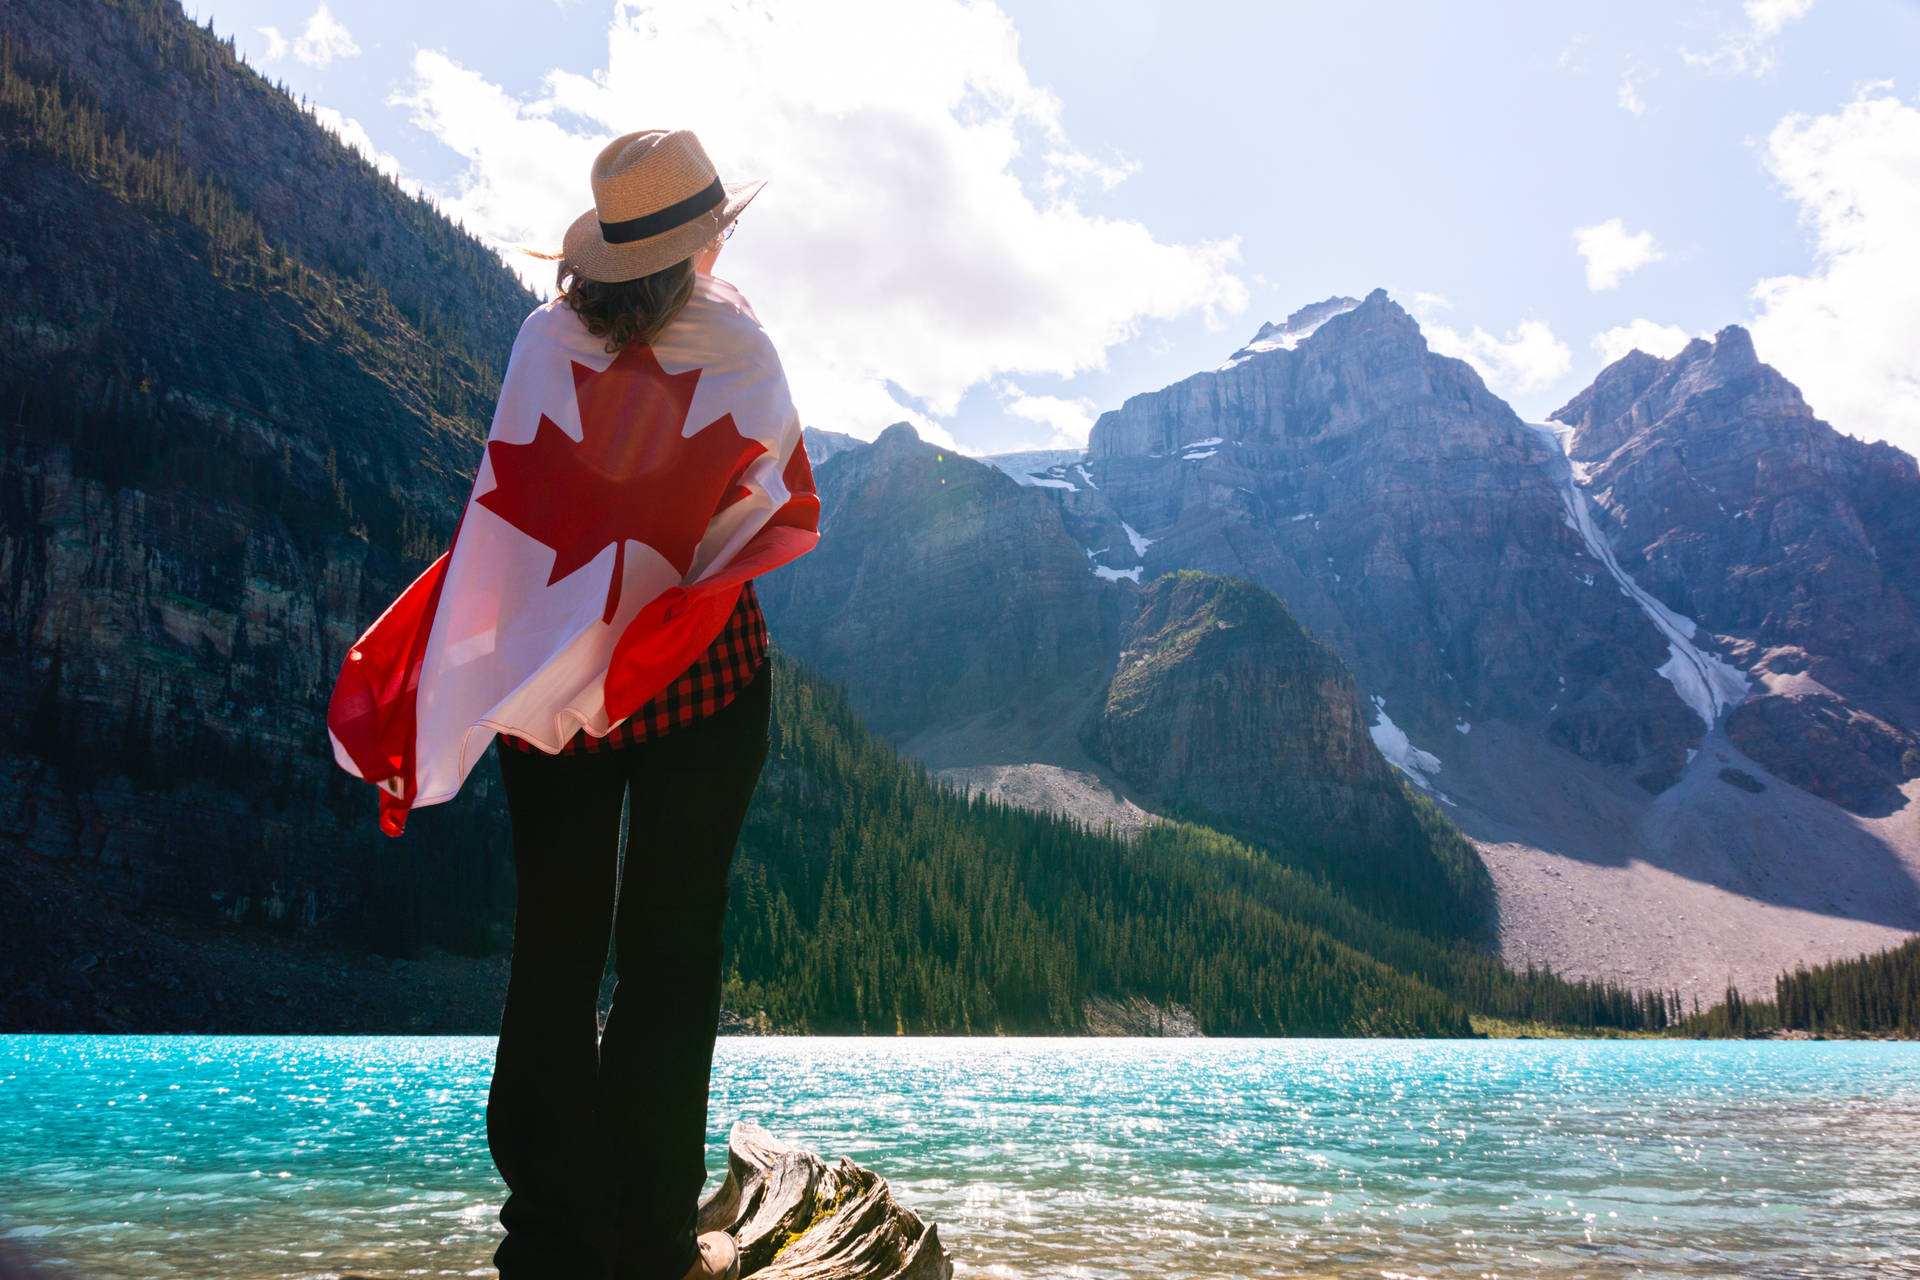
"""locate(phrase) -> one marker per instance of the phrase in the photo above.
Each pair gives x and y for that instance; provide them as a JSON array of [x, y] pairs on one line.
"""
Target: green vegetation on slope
[[1229, 713], [866, 897], [117, 405], [243, 388], [1875, 995]]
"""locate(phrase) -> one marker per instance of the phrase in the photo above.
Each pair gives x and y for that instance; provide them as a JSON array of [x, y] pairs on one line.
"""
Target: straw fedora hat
[[656, 201]]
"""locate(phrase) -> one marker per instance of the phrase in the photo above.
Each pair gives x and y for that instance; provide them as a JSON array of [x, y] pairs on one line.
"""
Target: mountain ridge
[[1594, 738]]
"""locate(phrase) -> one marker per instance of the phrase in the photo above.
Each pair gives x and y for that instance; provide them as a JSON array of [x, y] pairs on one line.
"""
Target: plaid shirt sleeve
[[703, 688]]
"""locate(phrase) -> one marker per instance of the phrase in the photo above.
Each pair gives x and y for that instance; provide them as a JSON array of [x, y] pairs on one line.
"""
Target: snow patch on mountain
[[1705, 681], [1139, 540], [1393, 743], [1039, 468], [1297, 328], [1111, 575]]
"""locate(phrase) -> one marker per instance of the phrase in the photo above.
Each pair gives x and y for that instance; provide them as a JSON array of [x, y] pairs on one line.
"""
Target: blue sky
[[1001, 221]]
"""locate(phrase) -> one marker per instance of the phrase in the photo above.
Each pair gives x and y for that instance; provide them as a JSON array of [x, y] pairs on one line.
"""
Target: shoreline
[[106, 969]]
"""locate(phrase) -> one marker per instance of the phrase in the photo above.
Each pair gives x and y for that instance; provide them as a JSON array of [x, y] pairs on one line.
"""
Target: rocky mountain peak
[[1380, 315], [1287, 334], [953, 589], [1722, 378], [1720, 491], [1733, 348], [1612, 392], [823, 444], [898, 436], [1352, 372]]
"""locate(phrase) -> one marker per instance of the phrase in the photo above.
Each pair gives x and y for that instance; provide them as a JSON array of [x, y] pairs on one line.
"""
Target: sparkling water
[[253, 1157]]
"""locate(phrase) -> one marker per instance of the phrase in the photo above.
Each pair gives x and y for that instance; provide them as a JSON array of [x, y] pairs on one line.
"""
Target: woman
[[604, 1155], [596, 612]]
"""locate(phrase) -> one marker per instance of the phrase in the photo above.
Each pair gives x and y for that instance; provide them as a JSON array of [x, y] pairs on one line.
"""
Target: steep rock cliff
[[1408, 517], [1798, 546]]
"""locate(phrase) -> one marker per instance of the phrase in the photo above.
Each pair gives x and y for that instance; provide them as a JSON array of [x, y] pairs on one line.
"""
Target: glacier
[[1706, 682]]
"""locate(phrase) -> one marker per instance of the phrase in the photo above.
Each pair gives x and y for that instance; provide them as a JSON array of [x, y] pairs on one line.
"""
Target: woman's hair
[[626, 311]]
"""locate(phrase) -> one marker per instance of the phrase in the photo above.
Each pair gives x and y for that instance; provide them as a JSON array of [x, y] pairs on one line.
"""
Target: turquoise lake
[[256, 1157]]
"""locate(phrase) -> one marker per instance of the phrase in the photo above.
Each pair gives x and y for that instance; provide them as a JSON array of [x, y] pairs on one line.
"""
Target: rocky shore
[[796, 1217]]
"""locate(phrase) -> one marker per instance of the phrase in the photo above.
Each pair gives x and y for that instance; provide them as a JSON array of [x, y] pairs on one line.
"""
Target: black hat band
[[663, 220]]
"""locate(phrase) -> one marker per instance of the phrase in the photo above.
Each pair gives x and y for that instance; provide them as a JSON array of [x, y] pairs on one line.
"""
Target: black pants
[[603, 1148]]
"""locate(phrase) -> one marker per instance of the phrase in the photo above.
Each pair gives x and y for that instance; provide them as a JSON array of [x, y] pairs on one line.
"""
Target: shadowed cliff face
[[1222, 707], [1408, 517], [941, 590], [245, 383], [1798, 546]]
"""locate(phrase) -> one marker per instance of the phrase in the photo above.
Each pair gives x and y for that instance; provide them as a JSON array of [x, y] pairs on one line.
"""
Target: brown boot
[[719, 1258]]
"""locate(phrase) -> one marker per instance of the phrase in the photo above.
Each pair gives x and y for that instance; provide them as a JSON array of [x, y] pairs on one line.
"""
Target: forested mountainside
[[867, 898], [245, 384], [1224, 709]]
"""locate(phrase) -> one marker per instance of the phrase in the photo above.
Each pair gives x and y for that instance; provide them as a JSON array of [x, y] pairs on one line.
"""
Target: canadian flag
[[622, 502]]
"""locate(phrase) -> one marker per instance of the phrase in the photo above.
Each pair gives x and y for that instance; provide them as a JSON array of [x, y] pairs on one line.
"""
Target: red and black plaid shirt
[[702, 689]]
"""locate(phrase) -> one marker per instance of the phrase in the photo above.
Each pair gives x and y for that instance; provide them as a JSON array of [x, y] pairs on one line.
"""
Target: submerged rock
[[796, 1217]]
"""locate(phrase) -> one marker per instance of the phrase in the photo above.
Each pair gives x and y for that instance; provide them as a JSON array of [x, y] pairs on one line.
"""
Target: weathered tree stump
[[795, 1217]]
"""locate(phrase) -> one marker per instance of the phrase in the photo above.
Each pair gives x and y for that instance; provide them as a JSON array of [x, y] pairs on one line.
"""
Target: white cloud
[[919, 234], [1848, 333], [1628, 94], [1065, 165], [1770, 16], [1572, 57], [323, 39], [1528, 359], [1071, 421], [1612, 253], [1661, 340], [1749, 49]]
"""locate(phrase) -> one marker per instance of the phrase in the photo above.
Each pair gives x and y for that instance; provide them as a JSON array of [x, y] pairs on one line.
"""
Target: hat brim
[[590, 254]]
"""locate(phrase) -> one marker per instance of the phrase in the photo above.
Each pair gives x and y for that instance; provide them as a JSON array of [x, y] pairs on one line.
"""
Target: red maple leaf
[[632, 475]]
